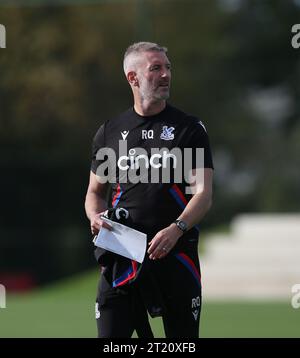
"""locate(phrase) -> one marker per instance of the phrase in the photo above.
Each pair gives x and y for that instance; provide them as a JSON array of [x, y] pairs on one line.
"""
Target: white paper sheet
[[122, 240]]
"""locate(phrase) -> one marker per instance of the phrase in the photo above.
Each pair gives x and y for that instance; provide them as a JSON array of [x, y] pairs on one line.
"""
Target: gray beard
[[155, 96]]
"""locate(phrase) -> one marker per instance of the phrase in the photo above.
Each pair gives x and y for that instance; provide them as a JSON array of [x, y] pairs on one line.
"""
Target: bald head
[[133, 52]]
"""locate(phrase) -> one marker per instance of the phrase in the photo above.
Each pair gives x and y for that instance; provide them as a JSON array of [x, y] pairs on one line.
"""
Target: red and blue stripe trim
[[117, 196], [131, 272], [181, 199], [127, 276], [189, 264], [178, 196]]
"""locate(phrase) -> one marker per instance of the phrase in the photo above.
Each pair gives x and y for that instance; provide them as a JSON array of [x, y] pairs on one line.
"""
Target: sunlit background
[[61, 77]]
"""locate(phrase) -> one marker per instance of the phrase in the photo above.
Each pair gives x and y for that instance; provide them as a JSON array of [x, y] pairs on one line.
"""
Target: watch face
[[182, 225]]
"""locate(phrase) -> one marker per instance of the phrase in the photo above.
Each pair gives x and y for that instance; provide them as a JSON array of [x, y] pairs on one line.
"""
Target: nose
[[166, 73]]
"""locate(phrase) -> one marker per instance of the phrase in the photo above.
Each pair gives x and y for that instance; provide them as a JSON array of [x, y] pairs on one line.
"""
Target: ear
[[132, 78]]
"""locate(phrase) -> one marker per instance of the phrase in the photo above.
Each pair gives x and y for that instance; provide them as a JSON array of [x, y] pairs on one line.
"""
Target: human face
[[154, 76]]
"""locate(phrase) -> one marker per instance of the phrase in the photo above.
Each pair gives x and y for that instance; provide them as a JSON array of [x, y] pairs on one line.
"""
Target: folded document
[[122, 240]]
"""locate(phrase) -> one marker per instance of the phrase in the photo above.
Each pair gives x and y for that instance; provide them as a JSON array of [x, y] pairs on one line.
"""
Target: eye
[[154, 68]]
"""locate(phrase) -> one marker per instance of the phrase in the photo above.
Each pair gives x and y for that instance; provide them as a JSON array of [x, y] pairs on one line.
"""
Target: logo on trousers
[[2, 36], [2, 297], [196, 303]]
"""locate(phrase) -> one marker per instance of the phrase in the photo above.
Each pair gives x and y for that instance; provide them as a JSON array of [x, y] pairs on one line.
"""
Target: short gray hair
[[140, 47]]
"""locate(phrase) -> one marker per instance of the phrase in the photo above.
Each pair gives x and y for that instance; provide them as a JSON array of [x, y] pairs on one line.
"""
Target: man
[[166, 208]]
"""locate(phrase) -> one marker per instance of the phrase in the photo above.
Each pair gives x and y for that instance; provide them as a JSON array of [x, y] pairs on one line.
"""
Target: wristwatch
[[182, 225]]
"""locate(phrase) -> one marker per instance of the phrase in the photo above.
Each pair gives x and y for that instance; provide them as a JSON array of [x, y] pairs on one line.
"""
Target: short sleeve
[[199, 139], [98, 142]]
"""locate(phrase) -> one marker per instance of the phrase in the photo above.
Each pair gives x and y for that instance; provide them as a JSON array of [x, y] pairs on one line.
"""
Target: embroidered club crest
[[167, 133]]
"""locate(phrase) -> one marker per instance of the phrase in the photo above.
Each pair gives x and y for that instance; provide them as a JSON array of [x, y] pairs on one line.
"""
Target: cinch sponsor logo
[[2, 36], [136, 161], [2, 297], [162, 165], [296, 298]]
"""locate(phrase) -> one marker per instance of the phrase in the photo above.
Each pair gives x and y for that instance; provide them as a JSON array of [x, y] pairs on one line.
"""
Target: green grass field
[[66, 309]]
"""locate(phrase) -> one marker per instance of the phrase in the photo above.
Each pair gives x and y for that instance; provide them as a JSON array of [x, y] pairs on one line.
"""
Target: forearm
[[166, 239], [196, 208], [94, 204]]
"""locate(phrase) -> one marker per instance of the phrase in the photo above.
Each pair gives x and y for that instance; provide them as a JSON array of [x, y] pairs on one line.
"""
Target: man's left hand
[[163, 242]]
